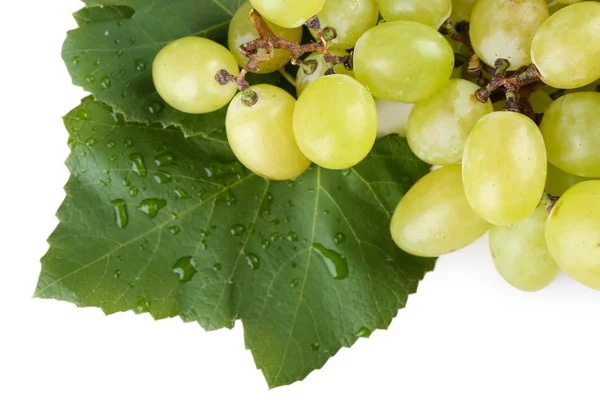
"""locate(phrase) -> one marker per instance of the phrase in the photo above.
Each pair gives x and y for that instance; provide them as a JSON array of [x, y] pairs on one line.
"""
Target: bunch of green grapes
[[528, 172]]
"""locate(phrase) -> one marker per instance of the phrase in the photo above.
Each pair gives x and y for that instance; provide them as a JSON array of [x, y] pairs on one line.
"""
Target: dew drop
[[346, 172], [336, 263], [156, 107], [119, 258], [142, 306], [181, 194], [218, 267], [164, 160], [117, 274], [339, 238], [185, 268], [363, 332], [110, 144], [163, 177], [237, 230], [266, 244], [253, 261], [122, 72], [90, 79], [292, 236], [138, 165], [151, 206], [105, 82], [90, 142], [75, 60], [119, 52], [83, 114], [140, 65], [133, 191], [121, 212], [315, 346], [174, 230], [265, 207], [294, 283], [128, 142]]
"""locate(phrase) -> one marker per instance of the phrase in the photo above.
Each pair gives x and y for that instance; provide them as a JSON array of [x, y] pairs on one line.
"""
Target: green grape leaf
[[111, 54], [155, 222]]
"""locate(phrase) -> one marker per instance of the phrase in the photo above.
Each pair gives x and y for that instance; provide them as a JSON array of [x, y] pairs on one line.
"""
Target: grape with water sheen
[[573, 233], [261, 136], [288, 13], [184, 75], [335, 122], [504, 167], [409, 73], [303, 80], [434, 217], [431, 12]]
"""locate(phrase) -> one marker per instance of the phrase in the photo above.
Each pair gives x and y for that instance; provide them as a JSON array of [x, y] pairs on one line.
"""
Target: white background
[[467, 341]]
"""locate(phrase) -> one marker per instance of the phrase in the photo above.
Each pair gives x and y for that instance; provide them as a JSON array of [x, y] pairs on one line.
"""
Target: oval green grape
[[303, 80], [288, 13], [504, 167], [261, 136], [431, 12], [409, 73], [184, 75], [573, 233], [335, 122], [439, 125], [242, 30], [521, 255], [571, 129], [434, 217], [566, 48]]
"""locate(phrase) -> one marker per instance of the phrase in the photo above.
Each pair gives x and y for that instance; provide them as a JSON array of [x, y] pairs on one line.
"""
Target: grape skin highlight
[[288, 13], [431, 12]]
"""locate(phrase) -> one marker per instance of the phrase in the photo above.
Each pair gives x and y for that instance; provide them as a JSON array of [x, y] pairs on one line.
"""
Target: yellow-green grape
[[540, 101], [350, 19], [439, 125], [303, 80], [261, 136], [430, 12], [242, 30], [571, 129], [184, 75], [521, 255], [392, 117], [417, 69], [504, 167], [288, 13], [558, 181], [461, 10], [568, 1], [335, 122], [434, 217], [573, 233], [505, 29], [566, 48]]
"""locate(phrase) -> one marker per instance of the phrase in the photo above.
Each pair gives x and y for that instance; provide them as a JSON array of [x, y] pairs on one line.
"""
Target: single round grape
[[184, 75], [571, 129], [261, 136], [573, 233], [431, 12], [335, 122], [242, 30], [288, 13], [566, 48], [461, 10], [505, 29], [350, 21], [417, 69], [521, 255], [434, 217], [439, 125], [303, 80], [558, 181], [392, 117], [504, 167]]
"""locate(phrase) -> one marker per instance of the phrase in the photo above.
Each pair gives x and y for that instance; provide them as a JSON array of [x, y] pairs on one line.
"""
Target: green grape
[[504, 167], [431, 12], [573, 233], [566, 48], [184, 75], [521, 255], [335, 122], [571, 129], [505, 29], [303, 80], [242, 30], [288, 13], [461, 10], [540, 101], [568, 1], [350, 21], [261, 136], [439, 125], [558, 181], [392, 117], [409, 73], [434, 217]]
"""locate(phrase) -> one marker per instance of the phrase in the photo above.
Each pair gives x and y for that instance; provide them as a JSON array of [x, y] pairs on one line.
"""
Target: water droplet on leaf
[[185, 268], [121, 212], [151, 206], [336, 263]]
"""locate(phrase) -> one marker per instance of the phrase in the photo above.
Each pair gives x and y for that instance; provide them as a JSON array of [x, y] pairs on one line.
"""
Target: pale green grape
[[461, 10], [184, 75], [261, 136], [439, 125], [504, 167], [335, 122], [558, 181], [521, 255], [242, 30], [407, 73], [288, 13], [540, 101], [350, 19], [566, 48], [573, 233], [505, 29], [303, 80], [434, 217], [568, 1], [571, 129], [430, 12], [392, 117]]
